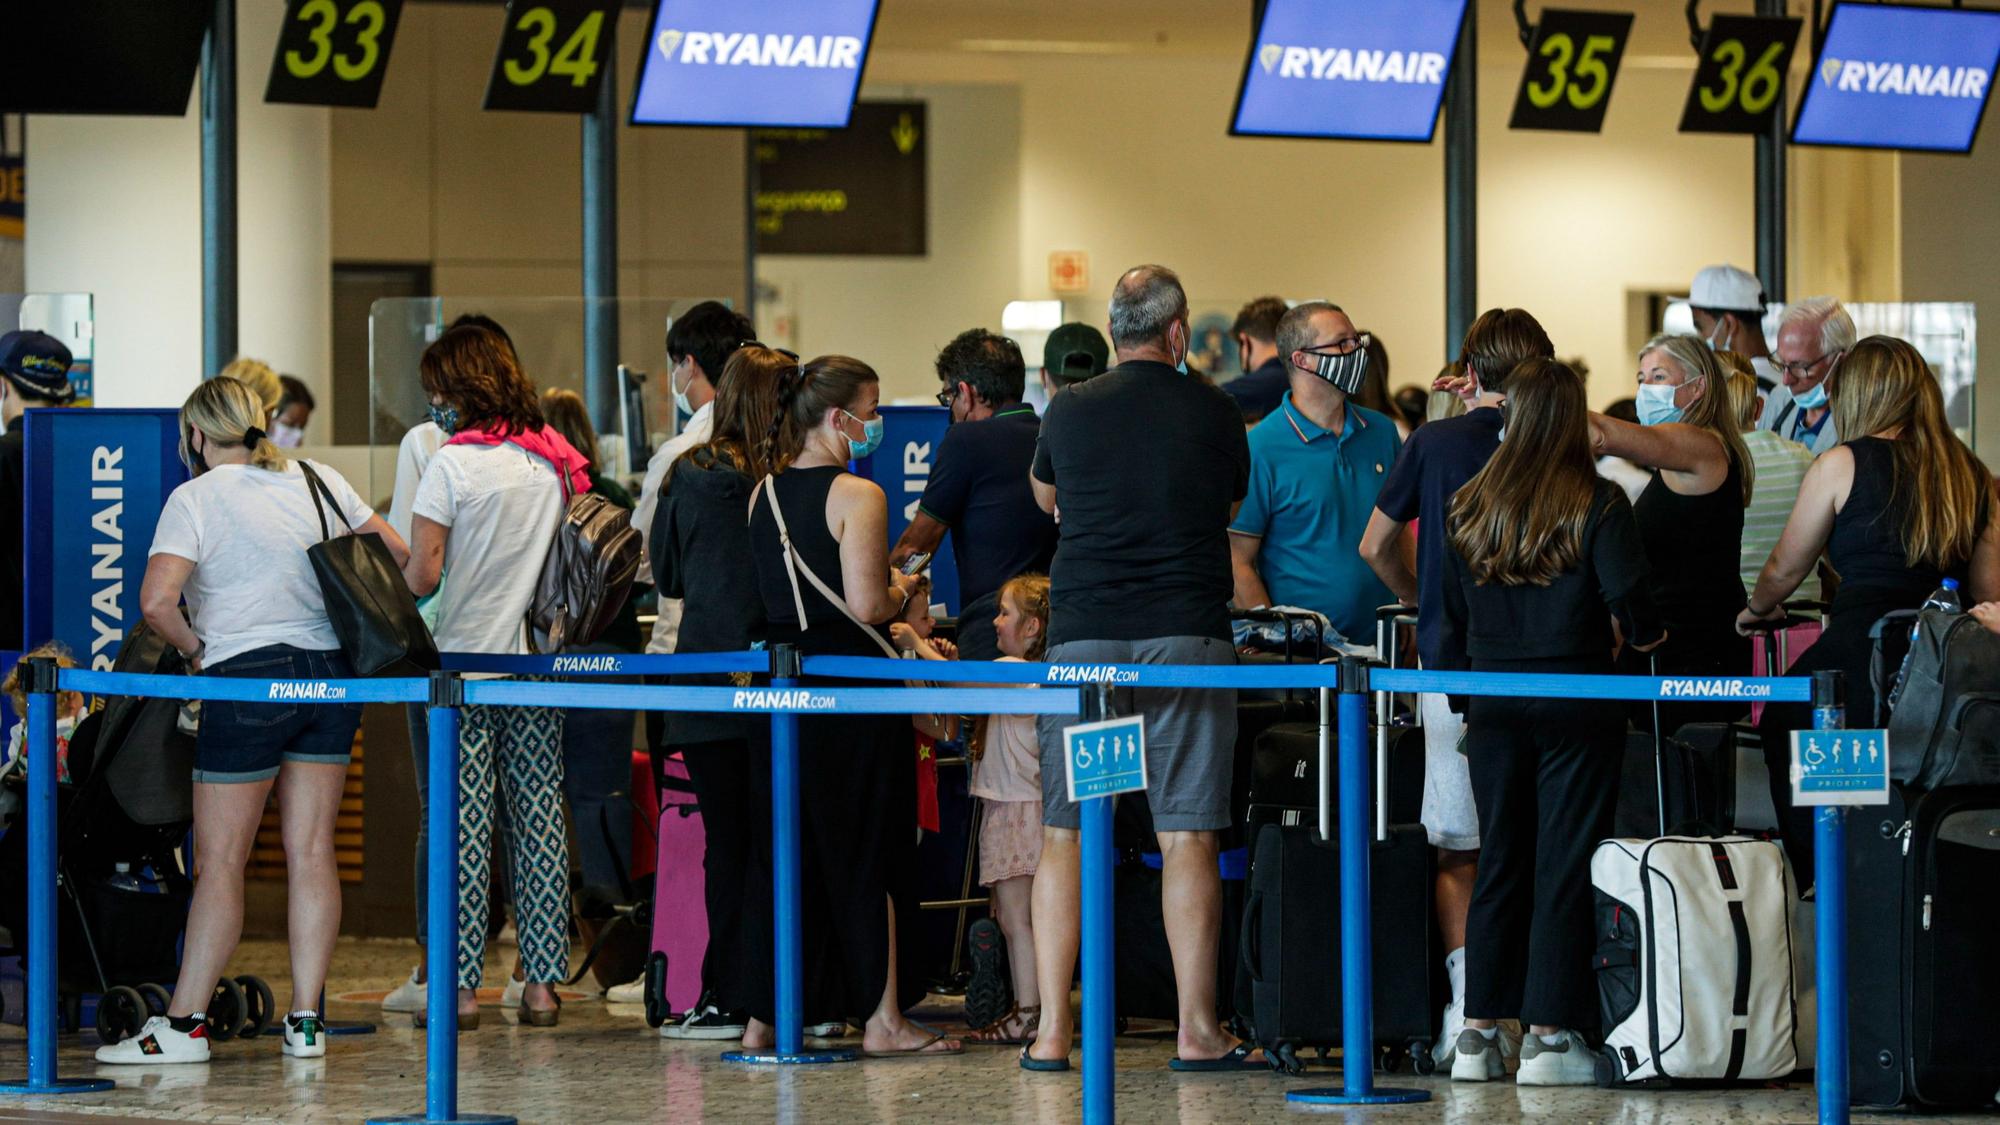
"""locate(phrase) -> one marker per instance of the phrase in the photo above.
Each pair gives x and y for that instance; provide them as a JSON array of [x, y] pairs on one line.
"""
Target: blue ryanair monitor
[[1348, 69], [757, 63], [1900, 77]]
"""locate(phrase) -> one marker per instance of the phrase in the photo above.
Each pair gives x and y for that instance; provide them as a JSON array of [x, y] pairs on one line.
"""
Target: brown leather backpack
[[588, 573]]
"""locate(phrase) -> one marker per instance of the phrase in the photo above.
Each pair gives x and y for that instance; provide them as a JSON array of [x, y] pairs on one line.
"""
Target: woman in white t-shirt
[[232, 542], [485, 513]]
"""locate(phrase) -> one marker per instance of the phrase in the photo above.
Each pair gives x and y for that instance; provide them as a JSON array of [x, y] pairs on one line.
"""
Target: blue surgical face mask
[[446, 418], [1814, 399], [1656, 404], [871, 430]]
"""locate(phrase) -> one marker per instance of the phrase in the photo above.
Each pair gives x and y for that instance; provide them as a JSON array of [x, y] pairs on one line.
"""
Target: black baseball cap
[[38, 364], [1075, 352]]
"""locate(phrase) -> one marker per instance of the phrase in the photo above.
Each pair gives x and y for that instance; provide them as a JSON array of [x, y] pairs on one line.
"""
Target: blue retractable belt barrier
[[41, 944], [786, 698], [245, 691], [1084, 675], [1535, 685]]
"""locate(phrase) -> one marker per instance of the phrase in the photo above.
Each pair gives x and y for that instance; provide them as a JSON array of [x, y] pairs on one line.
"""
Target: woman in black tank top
[[1895, 512], [819, 537], [1690, 519]]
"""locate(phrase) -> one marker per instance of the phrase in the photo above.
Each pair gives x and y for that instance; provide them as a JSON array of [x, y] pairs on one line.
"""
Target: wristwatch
[[200, 646]]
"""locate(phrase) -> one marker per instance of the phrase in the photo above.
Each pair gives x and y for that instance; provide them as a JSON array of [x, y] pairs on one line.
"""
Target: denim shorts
[[248, 741]]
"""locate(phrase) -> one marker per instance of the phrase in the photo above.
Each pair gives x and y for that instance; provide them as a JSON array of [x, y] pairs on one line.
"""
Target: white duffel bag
[[1697, 959]]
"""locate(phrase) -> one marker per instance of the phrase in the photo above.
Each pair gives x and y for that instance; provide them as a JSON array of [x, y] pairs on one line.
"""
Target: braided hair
[[805, 394]]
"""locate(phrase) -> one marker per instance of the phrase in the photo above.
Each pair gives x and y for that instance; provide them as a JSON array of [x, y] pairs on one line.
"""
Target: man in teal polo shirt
[[1316, 465]]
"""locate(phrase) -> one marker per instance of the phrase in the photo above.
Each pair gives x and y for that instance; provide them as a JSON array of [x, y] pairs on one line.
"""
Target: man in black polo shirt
[[1266, 376], [1147, 465], [978, 488]]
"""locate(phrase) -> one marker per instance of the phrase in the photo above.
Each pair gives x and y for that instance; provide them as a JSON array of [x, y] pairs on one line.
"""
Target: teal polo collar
[[1309, 431]]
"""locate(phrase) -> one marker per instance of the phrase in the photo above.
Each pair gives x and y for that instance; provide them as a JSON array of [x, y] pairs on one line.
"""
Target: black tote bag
[[369, 604]]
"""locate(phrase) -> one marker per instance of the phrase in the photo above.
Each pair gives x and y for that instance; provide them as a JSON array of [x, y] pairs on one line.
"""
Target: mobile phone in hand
[[916, 563]]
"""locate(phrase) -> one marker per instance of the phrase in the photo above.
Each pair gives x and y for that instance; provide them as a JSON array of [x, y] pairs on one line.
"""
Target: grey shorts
[[1190, 734]]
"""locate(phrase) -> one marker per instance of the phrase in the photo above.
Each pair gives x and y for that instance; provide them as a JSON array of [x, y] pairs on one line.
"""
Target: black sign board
[[1744, 60], [101, 56], [1572, 62], [858, 190], [333, 52], [553, 55]]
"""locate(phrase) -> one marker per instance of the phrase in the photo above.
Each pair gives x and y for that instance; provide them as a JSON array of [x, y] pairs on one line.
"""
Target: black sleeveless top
[[803, 493], [1866, 547], [1693, 546]]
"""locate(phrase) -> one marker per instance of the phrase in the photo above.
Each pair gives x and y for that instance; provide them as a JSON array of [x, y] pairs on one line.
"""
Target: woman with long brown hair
[[1690, 515], [700, 544], [484, 516], [820, 538], [1544, 573], [1895, 510]]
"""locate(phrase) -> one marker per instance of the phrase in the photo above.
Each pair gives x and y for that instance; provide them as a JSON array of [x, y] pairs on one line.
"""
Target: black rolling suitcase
[[1291, 945], [1283, 786], [1694, 772], [1922, 976], [1132, 824]]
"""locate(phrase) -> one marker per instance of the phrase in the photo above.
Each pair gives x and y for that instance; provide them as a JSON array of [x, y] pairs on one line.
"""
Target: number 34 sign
[[1572, 62], [333, 52], [1736, 88], [552, 55]]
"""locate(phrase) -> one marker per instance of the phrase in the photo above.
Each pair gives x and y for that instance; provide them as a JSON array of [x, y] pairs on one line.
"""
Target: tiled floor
[[604, 1066]]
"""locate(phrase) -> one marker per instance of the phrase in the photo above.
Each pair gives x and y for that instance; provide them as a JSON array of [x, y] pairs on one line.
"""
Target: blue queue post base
[[40, 825], [1357, 968], [787, 943]]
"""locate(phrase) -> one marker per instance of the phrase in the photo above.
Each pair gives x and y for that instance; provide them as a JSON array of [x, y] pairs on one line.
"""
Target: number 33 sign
[[1572, 62], [552, 55], [333, 52], [1736, 88]]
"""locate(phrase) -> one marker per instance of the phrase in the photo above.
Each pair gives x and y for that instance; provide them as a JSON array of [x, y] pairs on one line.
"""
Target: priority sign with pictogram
[[1840, 767], [1103, 758]]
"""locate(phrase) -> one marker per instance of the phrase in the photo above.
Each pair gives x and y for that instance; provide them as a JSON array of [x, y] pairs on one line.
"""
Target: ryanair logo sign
[[1713, 689], [1091, 674], [725, 48], [588, 664], [789, 699], [306, 691], [1856, 76], [1340, 64]]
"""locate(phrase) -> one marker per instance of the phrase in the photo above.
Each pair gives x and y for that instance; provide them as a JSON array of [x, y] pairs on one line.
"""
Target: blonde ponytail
[[228, 413]]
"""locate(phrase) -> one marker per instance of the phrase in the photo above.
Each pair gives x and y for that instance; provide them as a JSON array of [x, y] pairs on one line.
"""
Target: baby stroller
[[122, 891]]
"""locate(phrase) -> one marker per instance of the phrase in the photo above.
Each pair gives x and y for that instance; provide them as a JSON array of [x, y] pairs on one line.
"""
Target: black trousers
[[732, 786], [1545, 782]]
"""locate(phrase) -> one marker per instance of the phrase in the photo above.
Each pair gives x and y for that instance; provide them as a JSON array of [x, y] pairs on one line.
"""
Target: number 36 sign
[[333, 52], [1736, 88]]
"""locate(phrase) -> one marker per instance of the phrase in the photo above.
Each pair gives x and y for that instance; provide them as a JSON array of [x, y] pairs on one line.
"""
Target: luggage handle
[[1325, 765], [1659, 749]]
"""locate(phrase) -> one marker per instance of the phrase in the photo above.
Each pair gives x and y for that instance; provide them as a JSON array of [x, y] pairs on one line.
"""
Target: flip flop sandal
[[1236, 1061], [991, 1035], [921, 1050], [1042, 1066]]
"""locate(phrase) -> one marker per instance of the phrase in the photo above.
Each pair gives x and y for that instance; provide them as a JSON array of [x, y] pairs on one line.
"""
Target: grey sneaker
[[1569, 1063], [1477, 1058]]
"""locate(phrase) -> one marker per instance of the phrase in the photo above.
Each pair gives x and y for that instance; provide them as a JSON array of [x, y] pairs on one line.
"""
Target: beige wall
[[493, 200], [1951, 229]]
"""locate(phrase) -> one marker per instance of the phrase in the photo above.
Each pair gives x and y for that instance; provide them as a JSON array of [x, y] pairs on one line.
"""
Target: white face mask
[[286, 436]]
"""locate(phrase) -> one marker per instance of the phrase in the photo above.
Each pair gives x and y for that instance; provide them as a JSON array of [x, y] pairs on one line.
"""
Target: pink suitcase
[[1798, 639], [680, 917]]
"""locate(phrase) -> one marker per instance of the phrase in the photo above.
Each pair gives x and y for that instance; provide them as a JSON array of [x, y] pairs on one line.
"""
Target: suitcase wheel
[[1390, 1057], [1284, 1058], [1421, 1058]]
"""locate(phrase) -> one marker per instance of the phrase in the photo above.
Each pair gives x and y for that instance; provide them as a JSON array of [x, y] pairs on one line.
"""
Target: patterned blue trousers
[[523, 746]]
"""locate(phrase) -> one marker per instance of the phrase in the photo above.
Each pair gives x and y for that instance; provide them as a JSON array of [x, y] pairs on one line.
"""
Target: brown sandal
[[994, 1034]]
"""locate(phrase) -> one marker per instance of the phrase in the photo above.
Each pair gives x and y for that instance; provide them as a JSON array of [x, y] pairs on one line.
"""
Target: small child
[[1008, 781], [69, 711]]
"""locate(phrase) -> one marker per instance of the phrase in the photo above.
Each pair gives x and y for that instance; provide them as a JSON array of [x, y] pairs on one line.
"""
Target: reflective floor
[[604, 1065]]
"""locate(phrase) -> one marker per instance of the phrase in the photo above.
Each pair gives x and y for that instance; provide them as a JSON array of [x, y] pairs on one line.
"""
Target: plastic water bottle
[[1944, 599]]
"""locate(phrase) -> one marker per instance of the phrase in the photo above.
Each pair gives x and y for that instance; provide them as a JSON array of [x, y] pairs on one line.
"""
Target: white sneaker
[[408, 996], [1475, 1058], [158, 1043], [1446, 1050], [305, 1035], [709, 1022], [832, 1029], [1569, 1063], [631, 992], [510, 997]]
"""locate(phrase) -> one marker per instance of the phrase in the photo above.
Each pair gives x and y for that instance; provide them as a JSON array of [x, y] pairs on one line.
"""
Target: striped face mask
[[1343, 371]]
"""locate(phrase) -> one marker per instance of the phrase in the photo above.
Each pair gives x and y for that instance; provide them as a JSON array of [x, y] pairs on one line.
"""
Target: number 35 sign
[[1572, 62], [333, 52], [1736, 88]]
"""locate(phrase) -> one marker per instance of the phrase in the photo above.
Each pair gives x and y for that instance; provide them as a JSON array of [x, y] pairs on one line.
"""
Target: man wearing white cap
[[1728, 307]]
